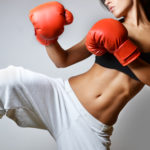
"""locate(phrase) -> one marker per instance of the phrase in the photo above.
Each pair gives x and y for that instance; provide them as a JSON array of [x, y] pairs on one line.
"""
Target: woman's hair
[[145, 5], [102, 2]]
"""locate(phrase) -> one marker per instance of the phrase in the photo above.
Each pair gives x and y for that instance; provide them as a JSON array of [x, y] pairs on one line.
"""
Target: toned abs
[[104, 92]]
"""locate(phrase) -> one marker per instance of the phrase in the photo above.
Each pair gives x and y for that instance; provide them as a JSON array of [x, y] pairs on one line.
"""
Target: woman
[[79, 112]]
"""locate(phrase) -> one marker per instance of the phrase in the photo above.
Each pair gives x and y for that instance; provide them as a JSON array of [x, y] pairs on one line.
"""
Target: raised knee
[[9, 76]]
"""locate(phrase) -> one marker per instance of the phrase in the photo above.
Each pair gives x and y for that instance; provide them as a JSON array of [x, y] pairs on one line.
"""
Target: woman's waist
[[91, 86], [102, 98]]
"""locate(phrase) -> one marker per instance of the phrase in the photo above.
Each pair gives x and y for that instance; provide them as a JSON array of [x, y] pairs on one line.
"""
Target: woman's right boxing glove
[[48, 20]]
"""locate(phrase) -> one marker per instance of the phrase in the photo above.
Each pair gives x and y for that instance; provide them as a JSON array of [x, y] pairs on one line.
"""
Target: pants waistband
[[86, 115]]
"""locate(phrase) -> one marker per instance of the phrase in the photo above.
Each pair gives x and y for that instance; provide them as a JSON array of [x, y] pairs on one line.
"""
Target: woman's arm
[[56, 54], [141, 69], [64, 58]]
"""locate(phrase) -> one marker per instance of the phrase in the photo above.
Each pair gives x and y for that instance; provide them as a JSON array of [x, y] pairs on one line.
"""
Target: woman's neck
[[136, 16]]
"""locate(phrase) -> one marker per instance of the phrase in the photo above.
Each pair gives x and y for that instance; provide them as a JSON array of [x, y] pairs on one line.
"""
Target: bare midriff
[[104, 92]]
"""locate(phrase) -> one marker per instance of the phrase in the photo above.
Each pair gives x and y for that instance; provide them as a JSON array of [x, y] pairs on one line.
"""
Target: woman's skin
[[137, 22], [102, 91]]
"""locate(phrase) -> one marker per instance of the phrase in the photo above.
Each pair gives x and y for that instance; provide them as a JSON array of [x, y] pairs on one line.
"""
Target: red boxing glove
[[110, 35], [48, 20]]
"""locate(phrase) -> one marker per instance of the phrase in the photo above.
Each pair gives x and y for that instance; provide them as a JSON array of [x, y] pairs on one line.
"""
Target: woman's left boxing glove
[[110, 35], [48, 20]]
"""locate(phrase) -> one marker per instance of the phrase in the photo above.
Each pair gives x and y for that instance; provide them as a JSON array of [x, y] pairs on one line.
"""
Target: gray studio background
[[18, 46]]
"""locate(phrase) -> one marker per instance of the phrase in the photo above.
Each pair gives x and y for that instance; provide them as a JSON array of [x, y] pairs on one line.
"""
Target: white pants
[[35, 100]]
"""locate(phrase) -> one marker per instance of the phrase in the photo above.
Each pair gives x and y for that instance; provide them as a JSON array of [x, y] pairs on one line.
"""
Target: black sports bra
[[109, 61]]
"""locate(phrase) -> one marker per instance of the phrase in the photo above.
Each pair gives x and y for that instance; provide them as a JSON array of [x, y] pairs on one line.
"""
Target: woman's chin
[[117, 15]]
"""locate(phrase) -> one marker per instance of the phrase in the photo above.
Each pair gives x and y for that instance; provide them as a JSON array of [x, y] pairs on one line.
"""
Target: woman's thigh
[[33, 100]]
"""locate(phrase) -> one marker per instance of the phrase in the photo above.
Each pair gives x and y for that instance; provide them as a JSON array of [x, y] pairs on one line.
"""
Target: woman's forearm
[[141, 69], [57, 54]]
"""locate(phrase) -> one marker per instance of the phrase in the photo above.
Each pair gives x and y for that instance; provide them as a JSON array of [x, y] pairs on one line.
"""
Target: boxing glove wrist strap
[[127, 53]]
